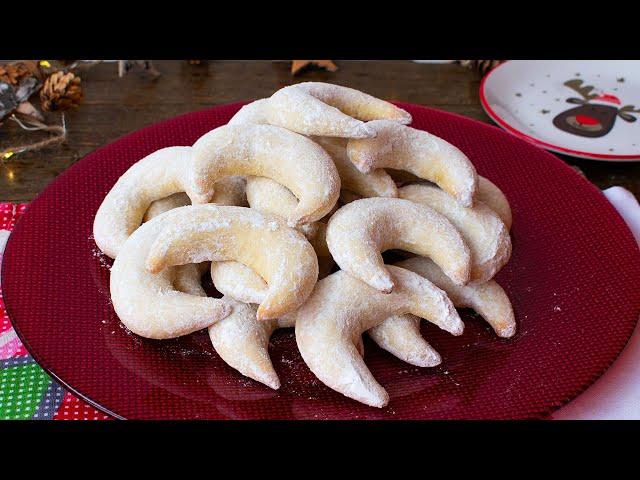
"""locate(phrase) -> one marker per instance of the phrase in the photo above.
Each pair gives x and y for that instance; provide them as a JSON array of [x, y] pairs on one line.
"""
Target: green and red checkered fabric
[[26, 391]]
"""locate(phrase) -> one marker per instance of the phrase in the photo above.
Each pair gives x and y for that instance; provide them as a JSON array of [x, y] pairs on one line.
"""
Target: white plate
[[548, 103]]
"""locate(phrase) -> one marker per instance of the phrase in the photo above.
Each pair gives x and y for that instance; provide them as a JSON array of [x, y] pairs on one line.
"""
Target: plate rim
[[546, 413], [48, 371], [536, 141]]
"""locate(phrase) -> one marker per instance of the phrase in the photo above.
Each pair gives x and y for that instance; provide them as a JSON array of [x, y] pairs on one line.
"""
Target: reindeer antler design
[[630, 108], [625, 111], [575, 84]]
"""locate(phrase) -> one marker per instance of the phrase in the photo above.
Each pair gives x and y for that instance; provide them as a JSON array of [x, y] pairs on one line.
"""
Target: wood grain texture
[[114, 107]]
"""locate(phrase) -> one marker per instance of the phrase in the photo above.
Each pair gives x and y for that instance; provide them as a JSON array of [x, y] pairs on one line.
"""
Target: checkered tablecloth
[[26, 391]]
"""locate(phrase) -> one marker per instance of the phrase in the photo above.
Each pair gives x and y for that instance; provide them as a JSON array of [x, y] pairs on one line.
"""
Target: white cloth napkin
[[615, 395], [4, 236]]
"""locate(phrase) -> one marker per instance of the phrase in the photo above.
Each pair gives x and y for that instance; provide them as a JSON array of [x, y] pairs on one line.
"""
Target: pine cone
[[483, 66], [12, 73], [61, 91]]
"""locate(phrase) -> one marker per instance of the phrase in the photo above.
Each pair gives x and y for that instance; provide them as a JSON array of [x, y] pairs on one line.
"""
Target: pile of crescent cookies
[[318, 178]]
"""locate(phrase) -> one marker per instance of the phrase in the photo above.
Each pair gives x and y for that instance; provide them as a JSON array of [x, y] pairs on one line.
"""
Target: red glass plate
[[573, 279]]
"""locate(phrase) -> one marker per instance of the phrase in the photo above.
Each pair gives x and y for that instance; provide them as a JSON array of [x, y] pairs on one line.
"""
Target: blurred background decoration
[[298, 66], [28, 88], [34, 94]]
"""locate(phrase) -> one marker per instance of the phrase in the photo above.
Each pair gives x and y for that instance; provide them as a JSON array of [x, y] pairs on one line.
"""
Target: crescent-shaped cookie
[[229, 191], [158, 207], [149, 305], [491, 195], [291, 159], [156, 176], [242, 341], [481, 228], [243, 284], [375, 184], [323, 109], [487, 192], [489, 299], [400, 336], [359, 231], [254, 112], [267, 196], [279, 254], [341, 308], [236, 280], [187, 277], [270, 197], [421, 153]]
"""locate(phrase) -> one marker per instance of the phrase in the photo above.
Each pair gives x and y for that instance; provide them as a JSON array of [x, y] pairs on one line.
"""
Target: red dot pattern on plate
[[573, 281], [73, 408]]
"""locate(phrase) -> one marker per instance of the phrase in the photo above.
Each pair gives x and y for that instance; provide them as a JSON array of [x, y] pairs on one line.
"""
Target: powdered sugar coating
[[374, 184], [421, 153], [270, 197], [481, 228], [279, 254], [377, 183], [360, 231], [250, 150], [491, 195], [487, 193], [158, 175], [148, 304], [273, 152], [242, 341], [229, 191], [254, 112], [315, 108], [239, 282], [400, 335], [341, 308], [158, 207], [488, 299]]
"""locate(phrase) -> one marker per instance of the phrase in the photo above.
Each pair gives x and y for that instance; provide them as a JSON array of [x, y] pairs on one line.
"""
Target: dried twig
[[28, 122]]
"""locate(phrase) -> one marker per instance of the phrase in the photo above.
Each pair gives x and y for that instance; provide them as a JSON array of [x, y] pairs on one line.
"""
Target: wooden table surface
[[116, 106]]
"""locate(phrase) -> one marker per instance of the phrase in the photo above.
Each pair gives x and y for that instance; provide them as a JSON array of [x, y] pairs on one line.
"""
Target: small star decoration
[[299, 65]]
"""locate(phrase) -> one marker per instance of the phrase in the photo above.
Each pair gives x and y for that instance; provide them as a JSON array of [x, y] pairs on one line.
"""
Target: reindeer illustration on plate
[[596, 114]]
